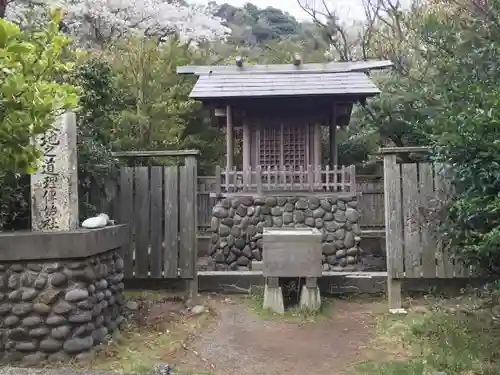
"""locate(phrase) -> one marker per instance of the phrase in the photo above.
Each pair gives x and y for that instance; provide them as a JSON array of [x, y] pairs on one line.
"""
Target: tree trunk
[[3, 8]]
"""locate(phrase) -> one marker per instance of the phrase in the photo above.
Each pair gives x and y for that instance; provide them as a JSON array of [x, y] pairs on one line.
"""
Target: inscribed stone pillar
[[54, 187]]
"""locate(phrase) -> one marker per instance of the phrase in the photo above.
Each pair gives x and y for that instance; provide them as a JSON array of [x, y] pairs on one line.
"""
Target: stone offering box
[[60, 292], [292, 252]]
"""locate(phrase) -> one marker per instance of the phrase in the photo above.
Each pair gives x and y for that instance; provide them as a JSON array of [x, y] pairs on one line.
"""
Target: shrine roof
[[283, 84]]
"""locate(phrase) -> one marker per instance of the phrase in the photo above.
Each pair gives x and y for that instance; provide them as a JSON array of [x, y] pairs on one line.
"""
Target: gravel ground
[[242, 343], [28, 371]]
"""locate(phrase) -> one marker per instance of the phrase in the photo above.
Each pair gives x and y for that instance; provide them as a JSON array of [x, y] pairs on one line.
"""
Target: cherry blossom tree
[[103, 20]]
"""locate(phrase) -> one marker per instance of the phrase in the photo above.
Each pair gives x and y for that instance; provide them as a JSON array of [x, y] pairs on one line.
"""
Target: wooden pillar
[[246, 152], [333, 139], [229, 138], [253, 145], [317, 145]]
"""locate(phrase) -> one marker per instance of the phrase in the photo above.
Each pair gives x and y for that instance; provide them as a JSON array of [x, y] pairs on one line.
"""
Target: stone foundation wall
[[59, 308], [237, 226]]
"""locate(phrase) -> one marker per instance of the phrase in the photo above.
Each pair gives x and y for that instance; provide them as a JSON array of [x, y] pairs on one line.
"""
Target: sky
[[347, 9]]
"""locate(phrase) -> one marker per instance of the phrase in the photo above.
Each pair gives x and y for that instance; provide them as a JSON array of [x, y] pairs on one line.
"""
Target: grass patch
[[140, 346], [435, 340], [147, 295], [138, 349]]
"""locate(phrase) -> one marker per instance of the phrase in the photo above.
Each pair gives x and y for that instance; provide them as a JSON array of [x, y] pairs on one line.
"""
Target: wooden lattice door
[[284, 145]]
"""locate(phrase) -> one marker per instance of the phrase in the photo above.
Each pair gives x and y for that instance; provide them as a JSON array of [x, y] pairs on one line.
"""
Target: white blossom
[[101, 20]]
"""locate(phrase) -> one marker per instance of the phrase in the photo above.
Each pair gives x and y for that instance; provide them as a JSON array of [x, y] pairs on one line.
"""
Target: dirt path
[[241, 342]]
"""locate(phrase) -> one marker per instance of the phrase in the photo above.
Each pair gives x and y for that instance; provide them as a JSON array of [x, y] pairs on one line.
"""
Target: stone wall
[[238, 222], [56, 309]]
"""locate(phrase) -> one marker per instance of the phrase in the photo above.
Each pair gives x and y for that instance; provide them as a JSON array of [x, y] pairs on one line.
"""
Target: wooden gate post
[[393, 230], [189, 225]]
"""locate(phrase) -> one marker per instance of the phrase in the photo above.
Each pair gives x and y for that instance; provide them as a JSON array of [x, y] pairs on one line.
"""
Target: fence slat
[[444, 262], [171, 221], [141, 212], [352, 179], [428, 239], [187, 196], [371, 203], [412, 248], [393, 225], [156, 222], [126, 216]]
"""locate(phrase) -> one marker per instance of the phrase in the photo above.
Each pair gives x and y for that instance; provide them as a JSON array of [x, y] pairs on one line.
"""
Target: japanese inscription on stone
[[54, 187]]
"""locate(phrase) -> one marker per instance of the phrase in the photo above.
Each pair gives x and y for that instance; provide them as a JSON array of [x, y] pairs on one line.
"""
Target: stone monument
[[54, 187], [59, 276]]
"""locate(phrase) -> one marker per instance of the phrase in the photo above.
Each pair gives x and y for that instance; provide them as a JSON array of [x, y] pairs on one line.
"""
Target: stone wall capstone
[[57, 309], [237, 225]]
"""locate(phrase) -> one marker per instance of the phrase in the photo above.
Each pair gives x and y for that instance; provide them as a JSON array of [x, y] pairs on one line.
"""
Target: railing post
[[258, 178], [317, 178], [268, 178], [227, 179], [218, 182], [310, 178], [246, 178]]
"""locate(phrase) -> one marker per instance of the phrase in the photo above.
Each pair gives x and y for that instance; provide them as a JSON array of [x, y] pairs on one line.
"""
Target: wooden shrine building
[[283, 112]]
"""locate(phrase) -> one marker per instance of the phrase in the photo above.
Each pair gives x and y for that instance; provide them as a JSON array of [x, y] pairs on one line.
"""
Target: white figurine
[[98, 221]]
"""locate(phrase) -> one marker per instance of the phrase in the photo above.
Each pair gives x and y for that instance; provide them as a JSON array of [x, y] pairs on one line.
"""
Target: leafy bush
[[99, 107], [34, 65], [465, 47]]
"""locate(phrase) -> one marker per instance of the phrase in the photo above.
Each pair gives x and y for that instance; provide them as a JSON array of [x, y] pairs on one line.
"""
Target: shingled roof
[[254, 81], [258, 85]]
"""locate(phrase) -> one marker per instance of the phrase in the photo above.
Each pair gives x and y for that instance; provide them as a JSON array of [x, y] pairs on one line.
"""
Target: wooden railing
[[274, 179]]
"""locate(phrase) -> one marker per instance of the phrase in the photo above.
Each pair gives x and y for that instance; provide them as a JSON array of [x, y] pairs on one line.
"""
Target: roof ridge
[[332, 67], [298, 72]]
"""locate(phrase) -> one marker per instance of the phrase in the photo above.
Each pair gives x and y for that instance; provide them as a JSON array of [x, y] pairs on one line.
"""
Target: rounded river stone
[[11, 321], [41, 308], [328, 248], [39, 332], [15, 295], [21, 309], [78, 344], [220, 212], [76, 295], [50, 345], [29, 294], [60, 332], [352, 215], [32, 321], [57, 279], [5, 308], [62, 307], [55, 320]]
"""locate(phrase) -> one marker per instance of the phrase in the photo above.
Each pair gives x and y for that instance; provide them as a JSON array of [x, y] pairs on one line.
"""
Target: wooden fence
[[206, 201], [412, 191], [371, 201], [159, 204], [262, 179]]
